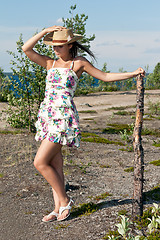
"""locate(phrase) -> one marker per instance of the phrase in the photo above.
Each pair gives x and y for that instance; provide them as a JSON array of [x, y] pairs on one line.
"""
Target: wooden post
[[137, 206]]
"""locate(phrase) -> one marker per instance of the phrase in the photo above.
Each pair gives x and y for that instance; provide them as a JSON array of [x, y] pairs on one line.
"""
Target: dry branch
[[137, 207]]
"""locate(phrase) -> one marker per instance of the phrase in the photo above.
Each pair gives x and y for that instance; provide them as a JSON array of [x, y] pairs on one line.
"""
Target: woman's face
[[62, 51]]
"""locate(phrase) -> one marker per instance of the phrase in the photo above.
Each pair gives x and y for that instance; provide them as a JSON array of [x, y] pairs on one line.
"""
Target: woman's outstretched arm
[[109, 77]]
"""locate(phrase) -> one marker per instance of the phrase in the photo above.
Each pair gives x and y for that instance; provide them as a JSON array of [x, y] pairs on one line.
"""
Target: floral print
[[58, 119]]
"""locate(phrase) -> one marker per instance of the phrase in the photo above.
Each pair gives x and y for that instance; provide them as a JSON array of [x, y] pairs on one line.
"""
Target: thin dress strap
[[53, 64], [71, 67]]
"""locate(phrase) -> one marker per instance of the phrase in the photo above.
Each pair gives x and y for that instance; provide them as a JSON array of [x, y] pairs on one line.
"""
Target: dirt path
[[90, 171]]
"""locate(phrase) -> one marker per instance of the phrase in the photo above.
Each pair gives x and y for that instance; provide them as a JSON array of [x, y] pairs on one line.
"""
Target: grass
[[92, 137], [143, 221], [1, 175], [154, 108], [147, 119], [83, 168], [61, 226], [101, 140], [11, 132], [121, 108], [104, 166], [151, 132], [87, 111], [123, 212], [117, 128], [29, 213], [156, 144], [84, 209], [130, 169], [88, 134], [157, 118], [153, 194], [155, 162], [88, 119], [127, 149], [102, 196], [123, 113]]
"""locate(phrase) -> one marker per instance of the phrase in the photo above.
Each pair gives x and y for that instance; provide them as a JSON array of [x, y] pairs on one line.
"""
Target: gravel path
[[90, 171]]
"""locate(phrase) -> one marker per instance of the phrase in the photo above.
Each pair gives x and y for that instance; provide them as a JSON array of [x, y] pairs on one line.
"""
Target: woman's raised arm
[[29, 45]]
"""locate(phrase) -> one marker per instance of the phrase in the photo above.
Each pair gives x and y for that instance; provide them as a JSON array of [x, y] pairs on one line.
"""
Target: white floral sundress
[[58, 119]]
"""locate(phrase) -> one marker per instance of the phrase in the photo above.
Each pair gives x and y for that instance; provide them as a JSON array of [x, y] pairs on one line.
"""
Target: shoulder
[[81, 61], [49, 63]]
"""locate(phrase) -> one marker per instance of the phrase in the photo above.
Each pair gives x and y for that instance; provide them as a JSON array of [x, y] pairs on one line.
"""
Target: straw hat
[[61, 37]]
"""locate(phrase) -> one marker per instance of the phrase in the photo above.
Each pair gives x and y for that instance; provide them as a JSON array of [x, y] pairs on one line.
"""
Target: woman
[[58, 122]]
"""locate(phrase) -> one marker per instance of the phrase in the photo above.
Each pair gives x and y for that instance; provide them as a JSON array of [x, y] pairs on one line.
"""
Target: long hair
[[77, 46]]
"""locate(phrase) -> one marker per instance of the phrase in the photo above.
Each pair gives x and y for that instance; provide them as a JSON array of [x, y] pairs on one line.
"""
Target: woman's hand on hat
[[139, 71], [54, 28]]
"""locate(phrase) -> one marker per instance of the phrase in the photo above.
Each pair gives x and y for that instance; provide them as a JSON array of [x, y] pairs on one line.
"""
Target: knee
[[38, 164], [35, 163]]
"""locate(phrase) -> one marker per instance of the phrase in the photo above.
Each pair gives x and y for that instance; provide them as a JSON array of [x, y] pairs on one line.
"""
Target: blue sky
[[127, 32]]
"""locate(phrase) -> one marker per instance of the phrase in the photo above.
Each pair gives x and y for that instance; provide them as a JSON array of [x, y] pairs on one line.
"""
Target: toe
[[50, 217], [64, 214]]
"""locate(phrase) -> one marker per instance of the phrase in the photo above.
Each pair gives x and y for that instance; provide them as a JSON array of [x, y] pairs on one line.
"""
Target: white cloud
[[22, 29], [59, 21], [108, 43], [130, 45], [9, 37], [157, 40], [153, 50]]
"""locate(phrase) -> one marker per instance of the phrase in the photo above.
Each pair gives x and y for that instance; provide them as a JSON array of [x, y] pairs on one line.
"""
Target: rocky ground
[[94, 173]]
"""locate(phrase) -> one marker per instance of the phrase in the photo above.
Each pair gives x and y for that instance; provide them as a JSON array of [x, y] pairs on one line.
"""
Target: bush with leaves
[[26, 87], [124, 229], [153, 79], [3, 86]]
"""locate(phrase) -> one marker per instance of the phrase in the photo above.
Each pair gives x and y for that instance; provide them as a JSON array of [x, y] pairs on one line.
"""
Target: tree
[[153, 79], [26, 87], [20, 97], [127, 84], [2, 98], [78, 24], [104, 86], [156, 75]]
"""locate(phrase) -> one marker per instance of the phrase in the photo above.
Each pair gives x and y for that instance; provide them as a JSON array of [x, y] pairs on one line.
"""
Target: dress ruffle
[[64, 131]]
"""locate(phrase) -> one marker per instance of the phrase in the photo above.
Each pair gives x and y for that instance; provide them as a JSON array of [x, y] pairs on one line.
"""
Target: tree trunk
[[137, 206]]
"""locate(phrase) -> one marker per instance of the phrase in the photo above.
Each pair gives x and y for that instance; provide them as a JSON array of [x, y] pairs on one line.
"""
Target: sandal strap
[[68, 207], [53, 213]]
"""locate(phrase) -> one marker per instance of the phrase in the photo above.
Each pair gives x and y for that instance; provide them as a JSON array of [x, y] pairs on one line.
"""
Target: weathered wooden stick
[[137, 206]]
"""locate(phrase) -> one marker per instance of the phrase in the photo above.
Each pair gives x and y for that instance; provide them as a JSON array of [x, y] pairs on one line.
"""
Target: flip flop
[[62, 209], [51, 214]]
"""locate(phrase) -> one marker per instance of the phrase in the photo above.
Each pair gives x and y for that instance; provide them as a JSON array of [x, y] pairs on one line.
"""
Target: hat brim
[[48, 40]]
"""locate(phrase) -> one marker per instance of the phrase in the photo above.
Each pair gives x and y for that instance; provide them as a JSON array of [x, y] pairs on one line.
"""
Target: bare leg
[[52, 173], [57, 164], [46, 152]]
